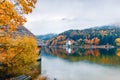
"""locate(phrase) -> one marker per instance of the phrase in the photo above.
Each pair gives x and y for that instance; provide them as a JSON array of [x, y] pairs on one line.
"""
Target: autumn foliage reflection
[[118, 52], [92, 55]]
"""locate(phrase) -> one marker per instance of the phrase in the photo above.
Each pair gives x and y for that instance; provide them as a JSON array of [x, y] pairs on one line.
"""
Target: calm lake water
[[81, 64]]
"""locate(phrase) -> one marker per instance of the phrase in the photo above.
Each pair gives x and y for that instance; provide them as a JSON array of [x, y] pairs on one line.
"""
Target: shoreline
[[85, 46]]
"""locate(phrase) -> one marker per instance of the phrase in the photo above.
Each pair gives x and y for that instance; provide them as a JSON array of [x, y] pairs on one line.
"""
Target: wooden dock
[[22, 77]]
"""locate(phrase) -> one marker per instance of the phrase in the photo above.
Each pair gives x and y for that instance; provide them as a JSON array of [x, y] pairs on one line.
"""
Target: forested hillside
[[97, 35]]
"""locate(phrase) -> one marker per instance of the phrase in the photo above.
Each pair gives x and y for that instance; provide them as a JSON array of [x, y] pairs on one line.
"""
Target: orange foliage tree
[[95, 41], [87, 41], [117, 40], [20, 48], [16, 51], [11, 16], [18, 56], [12, 11]]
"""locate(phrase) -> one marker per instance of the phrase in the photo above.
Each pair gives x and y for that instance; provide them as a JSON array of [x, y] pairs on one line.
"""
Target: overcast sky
[[56, 16]]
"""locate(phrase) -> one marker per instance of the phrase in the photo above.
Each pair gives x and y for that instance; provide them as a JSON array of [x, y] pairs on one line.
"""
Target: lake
[[81, 64]]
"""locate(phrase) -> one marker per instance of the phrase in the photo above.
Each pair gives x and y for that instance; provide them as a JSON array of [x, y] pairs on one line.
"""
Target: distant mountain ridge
[[105, 34], [46, 36]]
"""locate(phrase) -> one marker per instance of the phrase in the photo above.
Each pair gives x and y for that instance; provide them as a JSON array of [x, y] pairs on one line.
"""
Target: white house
[[68, 43]]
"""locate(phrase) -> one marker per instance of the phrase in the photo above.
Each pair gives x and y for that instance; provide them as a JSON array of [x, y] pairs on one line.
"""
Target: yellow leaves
[[118, 52], [9, 16], [87, 41], [117, 40], [95, 40], [18, 54], [60, 37], [20, 48], [1, 1], [27, 5], [1, 11]]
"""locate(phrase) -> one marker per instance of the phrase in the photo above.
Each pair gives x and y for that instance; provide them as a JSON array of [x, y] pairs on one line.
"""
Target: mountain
[[101, 35], [46, 36], [22, 31]]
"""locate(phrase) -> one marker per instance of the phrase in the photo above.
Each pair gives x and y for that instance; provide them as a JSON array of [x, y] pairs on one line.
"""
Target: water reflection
[[101, 56], [69, 50], [81, 64], [118, 52]]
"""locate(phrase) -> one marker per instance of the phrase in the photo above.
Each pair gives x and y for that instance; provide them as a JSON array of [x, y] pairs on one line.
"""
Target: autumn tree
[[12, 12], [11, 16], [87, 41], [18, 56], [16, 51], [117, 40], [95, 41], [11, 49]]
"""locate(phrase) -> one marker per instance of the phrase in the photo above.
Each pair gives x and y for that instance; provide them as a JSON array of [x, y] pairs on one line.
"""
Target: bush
[[18, 55]]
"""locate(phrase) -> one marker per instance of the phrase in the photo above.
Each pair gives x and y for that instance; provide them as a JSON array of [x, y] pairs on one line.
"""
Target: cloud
[[56, 16]]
